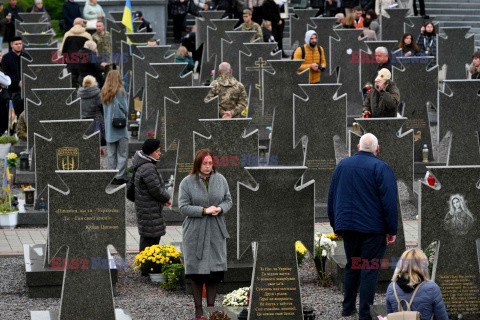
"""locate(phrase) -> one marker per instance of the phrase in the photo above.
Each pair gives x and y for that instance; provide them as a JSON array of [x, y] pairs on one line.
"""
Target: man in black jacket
[[11, 66], [145, 23], [12, 11], [71, 11], [271, 12]]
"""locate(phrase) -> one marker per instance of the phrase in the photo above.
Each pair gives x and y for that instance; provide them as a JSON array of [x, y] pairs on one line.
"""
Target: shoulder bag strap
[[400, 308], [415, 292]]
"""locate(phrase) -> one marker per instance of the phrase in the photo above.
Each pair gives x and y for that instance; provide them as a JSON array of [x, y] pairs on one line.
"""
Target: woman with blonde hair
[[410, 274], [115, 108], [349, 21], [91, 106], [182, 56]]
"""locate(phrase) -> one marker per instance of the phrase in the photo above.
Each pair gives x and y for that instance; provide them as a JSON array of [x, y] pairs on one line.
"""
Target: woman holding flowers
[[204, 198]]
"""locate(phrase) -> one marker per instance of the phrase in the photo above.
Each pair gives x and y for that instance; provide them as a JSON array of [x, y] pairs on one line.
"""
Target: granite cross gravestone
[[117, 35], [394, 27], [397, 152], [324, 29], [116, 15], [32, 17], [86, 221], [368, 62], [42, 77], [252, 64], [344, 53], [230, 51], [232, 153], [214, 42], [65, 148], [181, 121], [449, 215], [279, 100], [37, 27], [141, 64], [455, 49], [320, 130], [203, 22], [44, 40], [128, 50], [54, 105], [458, 114], [158, 88], [267, 214], [421, 86], [300, 22]]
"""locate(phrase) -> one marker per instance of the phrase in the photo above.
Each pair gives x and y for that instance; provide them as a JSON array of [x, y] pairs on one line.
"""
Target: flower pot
[[4, 149], [157, 277], [9, 220]]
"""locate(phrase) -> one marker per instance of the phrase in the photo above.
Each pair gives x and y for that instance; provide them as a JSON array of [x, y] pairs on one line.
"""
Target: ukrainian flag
[[7, 176], [127, 20]]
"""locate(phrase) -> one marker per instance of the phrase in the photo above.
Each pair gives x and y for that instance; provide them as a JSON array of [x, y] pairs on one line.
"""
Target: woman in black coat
[[150, 194], [90, 64]]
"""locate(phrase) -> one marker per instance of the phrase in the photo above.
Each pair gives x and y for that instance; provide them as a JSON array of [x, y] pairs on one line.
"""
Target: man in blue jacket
[[362, 208]]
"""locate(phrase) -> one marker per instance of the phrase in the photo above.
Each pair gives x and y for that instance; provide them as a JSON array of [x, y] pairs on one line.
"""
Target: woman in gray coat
[[150, 194], [204, 198]]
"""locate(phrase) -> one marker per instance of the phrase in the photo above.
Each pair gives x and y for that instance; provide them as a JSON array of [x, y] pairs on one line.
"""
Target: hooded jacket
[[231, 94], [428, 299], [91, 103], [150, 195], [312, 55]]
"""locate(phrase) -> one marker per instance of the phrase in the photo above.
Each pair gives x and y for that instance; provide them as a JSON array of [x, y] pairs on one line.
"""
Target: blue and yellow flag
[[7, 176], [127, 19], [12, 118]]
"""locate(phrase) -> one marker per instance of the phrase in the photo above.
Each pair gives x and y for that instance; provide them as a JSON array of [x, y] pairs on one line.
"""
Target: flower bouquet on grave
[[12, 160], [237, 298], [324, 248], [161, 260], [301, 252]]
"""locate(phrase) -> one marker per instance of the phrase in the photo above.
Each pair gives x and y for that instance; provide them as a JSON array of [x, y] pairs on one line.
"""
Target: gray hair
[[382, 50], [224, 67], [90, 81], [90, 44], [368, 143], [78, 21], [38, 1]]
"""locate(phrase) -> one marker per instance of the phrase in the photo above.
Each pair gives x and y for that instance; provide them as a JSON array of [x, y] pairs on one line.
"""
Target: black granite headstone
[[455, 50], [31, 17], [300, 23], [459, 115], [65, 148], [231, 49], [55, 105], [86, 221], [44, 40], [345, 54], [214, 43], [394, 27], [157, 89], [320, 118], [38, 27], [129, 49], [181, 121], [279, 89], [267, 214], [42, 77], [448, 214], [324, 29], [418, 86]]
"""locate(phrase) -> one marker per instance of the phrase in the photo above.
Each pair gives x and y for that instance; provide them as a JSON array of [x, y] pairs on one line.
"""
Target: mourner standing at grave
[[409, 48], [427, 42], [271, 12], [370, 34], [145, 24], [383, 61], [38, 6], [5, 81], [71, 11], [204, 198], [374, 24], [92, 12], [150, 194], [249, 25], [313, 55], [115, 106], [12, 10], [383, 99], [256, 7], [89, 65], [11, 66], [178, 11], [232, 97], [103, 40], [357, 12], [73, 41], [362, 208], [91, 105], [474, 68], [152, 42], [411, 277]]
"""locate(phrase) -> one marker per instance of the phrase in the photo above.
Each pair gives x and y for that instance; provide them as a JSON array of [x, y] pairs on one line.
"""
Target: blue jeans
[[365, 247], [117, 153]]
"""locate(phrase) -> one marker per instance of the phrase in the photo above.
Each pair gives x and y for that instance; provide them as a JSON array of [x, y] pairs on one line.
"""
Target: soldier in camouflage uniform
[[232, 97], [250, 25], [104, 45]]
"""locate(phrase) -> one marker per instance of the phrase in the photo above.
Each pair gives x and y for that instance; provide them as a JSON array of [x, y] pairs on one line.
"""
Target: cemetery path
[[12, 240]]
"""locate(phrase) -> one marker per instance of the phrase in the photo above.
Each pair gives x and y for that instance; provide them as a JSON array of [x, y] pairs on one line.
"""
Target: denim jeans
[[117, 153], [367, 247]]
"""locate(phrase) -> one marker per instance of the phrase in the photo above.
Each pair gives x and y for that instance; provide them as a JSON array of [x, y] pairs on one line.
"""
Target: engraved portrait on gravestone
[[459, 220]]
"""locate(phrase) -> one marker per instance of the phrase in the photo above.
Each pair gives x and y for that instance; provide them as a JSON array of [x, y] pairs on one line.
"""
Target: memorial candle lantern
[[24, 161], [134, 129], [29, 196]]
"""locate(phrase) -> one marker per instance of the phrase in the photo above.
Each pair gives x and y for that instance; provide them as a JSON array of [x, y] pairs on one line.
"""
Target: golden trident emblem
[[68, 158]]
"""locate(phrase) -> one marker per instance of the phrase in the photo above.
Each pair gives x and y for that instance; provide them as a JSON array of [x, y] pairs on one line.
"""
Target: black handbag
[[120, 122]]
